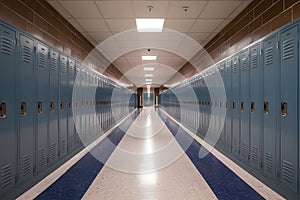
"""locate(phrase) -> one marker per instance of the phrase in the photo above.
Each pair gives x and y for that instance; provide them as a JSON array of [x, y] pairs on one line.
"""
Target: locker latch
[[2, 110], [252, 107], [61, 105], [226, 104], [233, 105], [70, 105], [23, 108], [266, 108], [283, 109], [51, 106], [40, 107], [242, 106]]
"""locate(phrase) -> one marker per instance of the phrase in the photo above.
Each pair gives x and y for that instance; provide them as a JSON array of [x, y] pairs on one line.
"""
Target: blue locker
[[289, 107], [8, 108], [220, 106], [63, 109], [71, 135], [228, 119], [78, 106], [54, 107], [256, 105], [244, 104], [42, 104], [235, 104], [270, 105], [26, 108]]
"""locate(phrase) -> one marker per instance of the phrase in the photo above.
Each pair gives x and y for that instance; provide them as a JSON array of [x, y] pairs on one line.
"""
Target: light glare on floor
[[149, 25]]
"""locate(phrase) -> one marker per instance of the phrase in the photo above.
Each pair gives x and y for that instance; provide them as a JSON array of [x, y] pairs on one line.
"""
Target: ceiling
[[99, 20]]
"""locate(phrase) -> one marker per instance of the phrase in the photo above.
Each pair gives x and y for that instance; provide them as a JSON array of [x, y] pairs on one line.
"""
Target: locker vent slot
[[52, 151], [71, 70], [2, 110], [268, 162], [254, 154], [244, 150], [26, 165], [53, 65], [26, 54], [42, 157], [6, 178], [6, 45], [63, 146], [288, 49], [288, 171], [42, 59], [244, 64], [269, 56], [63, 65], [254, 61]]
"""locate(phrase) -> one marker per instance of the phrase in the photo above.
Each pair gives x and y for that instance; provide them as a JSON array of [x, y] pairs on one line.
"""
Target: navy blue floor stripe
[[76, 181], [223, 182]]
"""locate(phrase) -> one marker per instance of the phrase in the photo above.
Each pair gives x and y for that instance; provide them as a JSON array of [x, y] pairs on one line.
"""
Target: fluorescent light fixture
[[149, 57], [148, 80], [149, 68], [149, 25], [148, 83], [148, 75]]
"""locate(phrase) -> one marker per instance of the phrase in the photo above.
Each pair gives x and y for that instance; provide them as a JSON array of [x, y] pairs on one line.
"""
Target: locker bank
[[149, 99]]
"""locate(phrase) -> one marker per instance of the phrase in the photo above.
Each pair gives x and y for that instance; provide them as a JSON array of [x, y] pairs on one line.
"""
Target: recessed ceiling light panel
[[148, 75], [149, 57], [149, 68], [149, 25]]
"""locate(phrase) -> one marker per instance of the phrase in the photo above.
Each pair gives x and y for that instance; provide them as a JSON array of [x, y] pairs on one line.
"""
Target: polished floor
[[149, 156]]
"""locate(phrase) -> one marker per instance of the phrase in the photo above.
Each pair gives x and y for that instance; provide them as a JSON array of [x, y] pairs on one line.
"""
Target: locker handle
[[51, 106], [266, 108], [62, 106], [70, 105], [252, 107], [233, 105], [40, 107], [226, 104], [2, 110], [283, 109], [242, 106], [23, 108]]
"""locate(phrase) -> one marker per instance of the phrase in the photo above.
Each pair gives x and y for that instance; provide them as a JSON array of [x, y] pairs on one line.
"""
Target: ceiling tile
[[198, 36], [116, 9], [81, 9], [176, 9], [76, 25], [93, 25], [159, 10], [100, 36], [239, 9], [222, 25], [206, 25], [182, 25], [219, 9], [119, 25], [58, 7]]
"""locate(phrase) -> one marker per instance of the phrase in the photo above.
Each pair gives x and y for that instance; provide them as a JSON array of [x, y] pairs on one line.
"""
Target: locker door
[[26, 108], [289, 107], [7, 108], [77, 105], [54, 108], [270, 104], [235, 105], [42, 104], [63, 110], [70, 71], [256, 105], [228, 103], [220, 105], [244, 106]]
